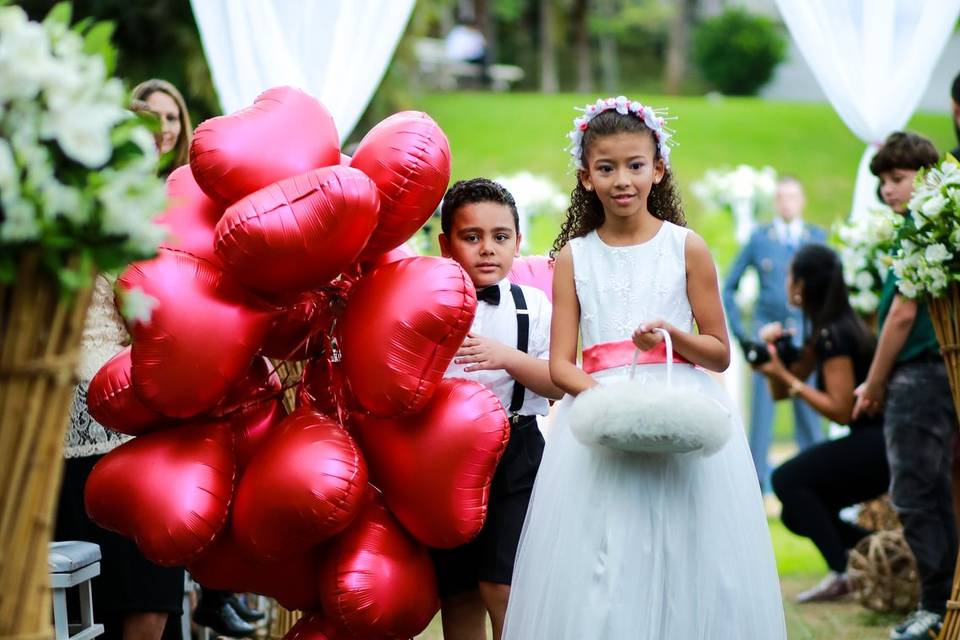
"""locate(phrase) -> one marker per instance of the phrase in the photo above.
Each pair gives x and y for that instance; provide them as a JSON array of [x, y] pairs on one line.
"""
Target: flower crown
[[655, 119]]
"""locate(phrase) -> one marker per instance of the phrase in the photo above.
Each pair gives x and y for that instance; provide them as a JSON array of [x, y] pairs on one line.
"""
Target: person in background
[[823, 479], [165, 101], [909, 377], [768, 252]]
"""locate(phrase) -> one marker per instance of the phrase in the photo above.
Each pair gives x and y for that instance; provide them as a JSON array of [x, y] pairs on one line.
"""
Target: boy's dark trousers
[[920, 424]]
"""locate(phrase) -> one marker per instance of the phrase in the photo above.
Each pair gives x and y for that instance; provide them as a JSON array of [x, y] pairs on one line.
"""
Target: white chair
[[74, 564]]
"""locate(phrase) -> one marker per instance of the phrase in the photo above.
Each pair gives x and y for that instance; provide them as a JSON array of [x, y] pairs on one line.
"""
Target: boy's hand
[[645, 338], [870, 399], [482, 354]]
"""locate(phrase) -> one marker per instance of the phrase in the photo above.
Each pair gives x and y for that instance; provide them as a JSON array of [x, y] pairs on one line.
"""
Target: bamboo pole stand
[[945, 313], [40, 333]]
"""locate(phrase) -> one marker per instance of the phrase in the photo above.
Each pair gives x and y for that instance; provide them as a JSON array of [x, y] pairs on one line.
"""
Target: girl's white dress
[[621, 546]]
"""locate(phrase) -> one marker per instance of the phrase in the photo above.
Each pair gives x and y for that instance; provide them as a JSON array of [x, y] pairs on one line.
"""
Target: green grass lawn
[[495, 134]]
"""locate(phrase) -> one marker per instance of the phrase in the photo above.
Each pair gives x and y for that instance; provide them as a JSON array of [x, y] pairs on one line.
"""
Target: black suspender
[[523, 337]]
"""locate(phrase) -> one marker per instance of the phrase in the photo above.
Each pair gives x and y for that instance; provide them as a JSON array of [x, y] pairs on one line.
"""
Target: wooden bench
[[444, 73]]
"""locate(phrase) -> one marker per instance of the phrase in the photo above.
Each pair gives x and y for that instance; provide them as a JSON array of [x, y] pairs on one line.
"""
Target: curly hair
[[586, 211], [470, 192]]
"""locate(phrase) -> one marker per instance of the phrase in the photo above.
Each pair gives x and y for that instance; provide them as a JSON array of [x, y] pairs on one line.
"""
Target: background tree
[[549, 80], [678, 45], [581, 36]]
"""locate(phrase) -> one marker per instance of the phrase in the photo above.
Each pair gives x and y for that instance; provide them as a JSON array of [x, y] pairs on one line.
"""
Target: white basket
[[644, 417]]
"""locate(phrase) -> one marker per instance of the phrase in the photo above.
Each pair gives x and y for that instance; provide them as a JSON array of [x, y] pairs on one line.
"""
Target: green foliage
[[737, 51]]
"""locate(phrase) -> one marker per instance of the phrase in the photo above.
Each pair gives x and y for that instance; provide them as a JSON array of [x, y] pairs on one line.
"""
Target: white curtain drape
[[873, 59], [335, 50]]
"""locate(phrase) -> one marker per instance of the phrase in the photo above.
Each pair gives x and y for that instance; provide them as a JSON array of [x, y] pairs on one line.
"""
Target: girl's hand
[[770, 332], [645, 338]]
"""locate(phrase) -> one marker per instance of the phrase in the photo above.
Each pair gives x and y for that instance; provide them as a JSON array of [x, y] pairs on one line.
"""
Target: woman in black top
[[815, 485]]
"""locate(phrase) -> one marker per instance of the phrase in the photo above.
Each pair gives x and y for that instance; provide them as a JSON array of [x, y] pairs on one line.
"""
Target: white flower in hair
[[652, 118]]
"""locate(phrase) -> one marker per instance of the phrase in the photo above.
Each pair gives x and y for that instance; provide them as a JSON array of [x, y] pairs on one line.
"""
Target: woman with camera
[[815, 485]]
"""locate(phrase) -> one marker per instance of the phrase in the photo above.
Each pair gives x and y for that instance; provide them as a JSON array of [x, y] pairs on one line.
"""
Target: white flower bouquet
[[78, 182], [928, 258], [744, 192], [865, 248]]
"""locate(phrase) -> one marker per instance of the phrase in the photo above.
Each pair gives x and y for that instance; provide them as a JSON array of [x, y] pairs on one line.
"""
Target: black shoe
[[223, 621], [245, 612]]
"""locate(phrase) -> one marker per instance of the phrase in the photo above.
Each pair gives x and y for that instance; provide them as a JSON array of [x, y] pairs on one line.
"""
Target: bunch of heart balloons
[[283, 248]]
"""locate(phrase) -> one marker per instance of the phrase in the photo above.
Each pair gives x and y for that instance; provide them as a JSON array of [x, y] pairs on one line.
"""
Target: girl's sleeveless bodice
[[621, 287]]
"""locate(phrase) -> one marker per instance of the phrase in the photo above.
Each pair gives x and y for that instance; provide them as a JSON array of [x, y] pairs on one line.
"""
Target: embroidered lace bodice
[[619, 288], [104, 335]]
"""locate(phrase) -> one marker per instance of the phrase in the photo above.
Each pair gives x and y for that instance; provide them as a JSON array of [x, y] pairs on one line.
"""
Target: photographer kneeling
[[820, 481]]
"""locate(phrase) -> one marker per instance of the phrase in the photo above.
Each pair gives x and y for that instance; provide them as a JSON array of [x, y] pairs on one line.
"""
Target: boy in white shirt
[[507, 350]]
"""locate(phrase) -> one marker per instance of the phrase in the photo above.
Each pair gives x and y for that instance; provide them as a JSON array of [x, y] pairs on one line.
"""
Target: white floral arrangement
[[865, 253], [78, 171], [723, 189], [928, 258], [535, 195]]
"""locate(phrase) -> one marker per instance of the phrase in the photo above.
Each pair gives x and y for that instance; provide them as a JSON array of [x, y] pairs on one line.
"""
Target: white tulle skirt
[[621, 546]]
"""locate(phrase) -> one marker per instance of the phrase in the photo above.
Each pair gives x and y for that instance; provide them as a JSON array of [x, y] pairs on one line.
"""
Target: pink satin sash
[[609, 355]]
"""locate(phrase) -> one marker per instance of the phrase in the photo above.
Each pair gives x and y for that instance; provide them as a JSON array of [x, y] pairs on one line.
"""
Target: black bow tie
[[490, 294]]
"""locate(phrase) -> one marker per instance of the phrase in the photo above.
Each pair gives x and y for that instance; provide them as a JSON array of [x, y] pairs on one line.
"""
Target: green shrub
[[737, 51]]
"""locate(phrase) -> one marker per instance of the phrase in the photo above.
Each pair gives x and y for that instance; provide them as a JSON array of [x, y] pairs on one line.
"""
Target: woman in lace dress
[[620, 545], [132, 596]]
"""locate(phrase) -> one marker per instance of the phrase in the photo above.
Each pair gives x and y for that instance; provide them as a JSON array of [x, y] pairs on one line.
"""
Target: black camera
[[756, 352]]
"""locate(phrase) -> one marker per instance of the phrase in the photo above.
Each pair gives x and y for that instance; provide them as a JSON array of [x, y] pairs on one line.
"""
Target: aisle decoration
[[865, 252], [78, 195], [285, 249]]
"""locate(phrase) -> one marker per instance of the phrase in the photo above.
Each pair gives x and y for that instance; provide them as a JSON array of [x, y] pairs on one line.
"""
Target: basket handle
[[669, 342]]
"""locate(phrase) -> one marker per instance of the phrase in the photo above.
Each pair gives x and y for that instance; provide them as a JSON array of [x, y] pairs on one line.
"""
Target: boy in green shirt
[[908, 375]]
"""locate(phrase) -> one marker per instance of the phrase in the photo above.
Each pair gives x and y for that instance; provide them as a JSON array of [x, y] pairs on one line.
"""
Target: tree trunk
[[678, 46], [582, 36], [487, 25], [609, 66], [549, 82]]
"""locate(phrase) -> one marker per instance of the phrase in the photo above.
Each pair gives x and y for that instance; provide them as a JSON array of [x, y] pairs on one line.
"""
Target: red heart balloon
[[169, 491], [284, 133], [113, 403], [402, 326], [320, 383], [315, 626], [299, 233], [259, 383], [375, 580], [304, 485], [253, 425], [191, 216], [228, 566], [201, 337], [435, 467], [536, 271], [408, 156], [401, 252], [298, 331]]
